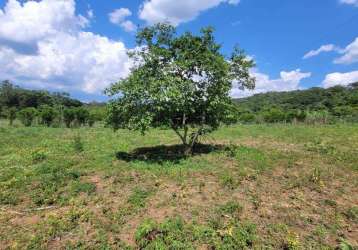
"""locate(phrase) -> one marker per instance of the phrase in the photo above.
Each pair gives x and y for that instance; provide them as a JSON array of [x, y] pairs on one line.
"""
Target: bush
[[82, 116], [274, 115], [27, 116], [48, 114], [247, 117], [69, 116], [295, 116]]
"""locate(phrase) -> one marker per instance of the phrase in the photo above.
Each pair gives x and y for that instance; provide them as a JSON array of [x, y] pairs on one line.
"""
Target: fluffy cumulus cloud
[[176, 12], [350, 54], [352, 2], [323, 48], [23, 26], [289, 80], [54, 51], [119, 17], [343, 79]]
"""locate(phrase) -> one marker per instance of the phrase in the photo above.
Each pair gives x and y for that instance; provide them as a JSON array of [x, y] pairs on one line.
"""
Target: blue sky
[[79, 46]]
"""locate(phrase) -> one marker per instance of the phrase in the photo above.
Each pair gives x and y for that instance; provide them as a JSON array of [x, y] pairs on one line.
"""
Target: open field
[[247, 187]]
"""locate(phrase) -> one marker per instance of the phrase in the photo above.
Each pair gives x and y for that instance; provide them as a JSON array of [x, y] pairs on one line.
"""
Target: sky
[[79, 46]]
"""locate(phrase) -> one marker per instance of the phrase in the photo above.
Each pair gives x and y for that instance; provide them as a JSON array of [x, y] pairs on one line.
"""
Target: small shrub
[[38, 156]]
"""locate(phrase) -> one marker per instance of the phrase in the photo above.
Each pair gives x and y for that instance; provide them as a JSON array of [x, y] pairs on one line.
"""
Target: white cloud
[[119, 16], [350, 54], [176, 12], [323, 48], [90, 14], [343, 79], [66, 57], [352, 2], [128, 26], [23, 25], [288, 81]]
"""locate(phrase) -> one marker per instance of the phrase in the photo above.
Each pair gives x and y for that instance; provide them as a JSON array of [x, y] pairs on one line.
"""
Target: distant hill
[[310, 99]]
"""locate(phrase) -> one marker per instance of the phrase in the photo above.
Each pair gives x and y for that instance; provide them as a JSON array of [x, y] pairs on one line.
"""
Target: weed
[[171, 234], [292, 241], [38, 156], [138, 197], [352, 214], [82, 187], [344, 245], [232, 208], [231, 150], [228, 181]]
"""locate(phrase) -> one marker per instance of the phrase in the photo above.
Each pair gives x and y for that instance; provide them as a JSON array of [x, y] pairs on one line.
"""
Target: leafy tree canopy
[[179, 81]]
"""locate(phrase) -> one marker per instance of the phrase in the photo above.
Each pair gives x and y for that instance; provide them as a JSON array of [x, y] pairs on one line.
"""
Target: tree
[[47, 114], [27, 116], [179, 81], [11, 115], [69, 116], [82, 116], [91, 120]]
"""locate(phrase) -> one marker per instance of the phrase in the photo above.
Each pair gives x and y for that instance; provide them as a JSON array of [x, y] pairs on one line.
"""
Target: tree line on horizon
[[44, 108], [314, 105]]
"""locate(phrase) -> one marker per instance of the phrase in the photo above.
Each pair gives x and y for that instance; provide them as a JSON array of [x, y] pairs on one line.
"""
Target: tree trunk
[[188, 150]]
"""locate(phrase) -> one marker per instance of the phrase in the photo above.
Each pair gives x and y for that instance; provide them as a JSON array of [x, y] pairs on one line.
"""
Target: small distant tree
[[179, 81], [48, 115], [69, 116], [11, 115], [91, 119], [82, 115], [27, 116]]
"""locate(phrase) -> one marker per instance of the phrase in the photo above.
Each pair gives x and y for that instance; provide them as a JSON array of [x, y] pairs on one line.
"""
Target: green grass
[[256, 186]]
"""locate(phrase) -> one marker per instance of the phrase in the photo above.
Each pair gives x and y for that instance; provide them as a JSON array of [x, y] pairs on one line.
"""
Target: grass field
[[247, 187]]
